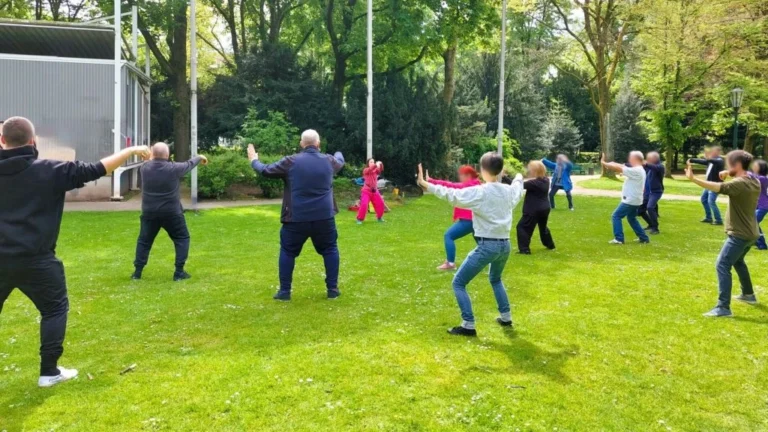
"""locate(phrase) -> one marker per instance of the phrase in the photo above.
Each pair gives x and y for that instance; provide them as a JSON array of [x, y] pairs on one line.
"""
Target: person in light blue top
[[561, 178]]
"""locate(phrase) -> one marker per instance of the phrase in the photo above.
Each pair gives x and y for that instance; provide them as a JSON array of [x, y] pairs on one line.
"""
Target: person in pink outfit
[[370, 192], [462, 218]]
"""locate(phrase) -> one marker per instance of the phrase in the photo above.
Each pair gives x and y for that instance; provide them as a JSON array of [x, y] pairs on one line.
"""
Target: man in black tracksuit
[[161, 208], [715, 164], [31, 206], [653, 191]]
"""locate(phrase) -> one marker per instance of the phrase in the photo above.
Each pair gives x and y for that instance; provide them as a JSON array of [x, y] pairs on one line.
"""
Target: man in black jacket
[[31, 206], [161, 208], [654, 189], [715, 164]]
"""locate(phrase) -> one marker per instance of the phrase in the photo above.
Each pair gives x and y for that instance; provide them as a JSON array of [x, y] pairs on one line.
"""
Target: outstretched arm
[[712, 186], [74, 175], [548, 163], [337, 161], [278, 169], [611, 166], [183, 168]]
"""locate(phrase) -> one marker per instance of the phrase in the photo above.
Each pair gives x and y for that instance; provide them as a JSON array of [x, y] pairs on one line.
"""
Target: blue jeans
[[760, 215], [629, 212], [323, 234], [709, 202], [459, 229], [493, 252], [732, 256]]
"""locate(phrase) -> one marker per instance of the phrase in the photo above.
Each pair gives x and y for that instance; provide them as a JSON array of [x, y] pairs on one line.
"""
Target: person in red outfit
[[370, 192], [462, 218]]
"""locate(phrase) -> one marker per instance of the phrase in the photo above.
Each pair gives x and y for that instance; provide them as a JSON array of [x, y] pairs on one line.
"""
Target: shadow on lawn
[[530, 358], [20, 407], [755, 320]]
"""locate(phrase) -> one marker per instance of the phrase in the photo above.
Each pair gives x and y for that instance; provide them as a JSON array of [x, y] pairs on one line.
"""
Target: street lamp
[[737, 96]]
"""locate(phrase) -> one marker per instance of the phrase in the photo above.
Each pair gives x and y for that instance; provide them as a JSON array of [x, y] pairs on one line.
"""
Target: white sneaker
[[616, 242], [64, 375]]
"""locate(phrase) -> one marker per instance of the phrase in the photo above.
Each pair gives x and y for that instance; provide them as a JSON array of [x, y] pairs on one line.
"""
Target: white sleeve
[[469, 198], [634, 173], [516, 190]]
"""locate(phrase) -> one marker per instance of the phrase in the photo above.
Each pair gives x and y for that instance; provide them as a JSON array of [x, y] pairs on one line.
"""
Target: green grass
[[677, 186], [606, 338]]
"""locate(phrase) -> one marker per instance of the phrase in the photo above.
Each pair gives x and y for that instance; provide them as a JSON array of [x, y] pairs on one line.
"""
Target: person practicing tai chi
[[491, 204], [653, 191], [370, 191], [631, 197], [561, 178], [741, 227], [32, 195], [535, 209], [715, 164], [462, 218], [161, 208], [309, 209], [760, 170]]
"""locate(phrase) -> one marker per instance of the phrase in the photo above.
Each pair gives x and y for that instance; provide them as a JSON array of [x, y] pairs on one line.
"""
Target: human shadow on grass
[[21, 405], [757, 320], [527, 357]]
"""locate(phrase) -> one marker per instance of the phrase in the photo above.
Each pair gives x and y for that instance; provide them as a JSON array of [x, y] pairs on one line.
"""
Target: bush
[[270, 188], [224, 170], [274, 135]]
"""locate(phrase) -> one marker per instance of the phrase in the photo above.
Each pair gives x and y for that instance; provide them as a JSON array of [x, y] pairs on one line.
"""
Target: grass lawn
[[677, 186], [606, 338]]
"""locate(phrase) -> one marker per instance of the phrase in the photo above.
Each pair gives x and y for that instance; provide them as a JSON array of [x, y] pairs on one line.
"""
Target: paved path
[[580, 190]]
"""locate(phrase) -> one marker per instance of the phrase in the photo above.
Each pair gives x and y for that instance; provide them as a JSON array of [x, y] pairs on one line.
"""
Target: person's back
[[160, 184], [310, 185], [492, 209], [536, 195]]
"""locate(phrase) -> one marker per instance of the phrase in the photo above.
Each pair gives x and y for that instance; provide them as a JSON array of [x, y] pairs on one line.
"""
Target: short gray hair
[[18, 131], [637, 154], [310, 137], [160, 151]]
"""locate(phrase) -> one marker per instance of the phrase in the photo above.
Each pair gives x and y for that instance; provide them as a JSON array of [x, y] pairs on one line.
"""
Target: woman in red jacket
[[462, 218], [370, 192]]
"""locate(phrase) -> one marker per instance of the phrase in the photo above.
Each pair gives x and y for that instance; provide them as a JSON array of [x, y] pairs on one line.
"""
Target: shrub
[[270, 187], [224, 170], [274, 135]]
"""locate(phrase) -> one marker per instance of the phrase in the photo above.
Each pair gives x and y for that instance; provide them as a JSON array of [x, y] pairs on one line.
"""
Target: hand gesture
[[420, 179], [203, 160], [142, 152], [689, 171], [723, 175], [428, 178], [252, 155], [602, 158]]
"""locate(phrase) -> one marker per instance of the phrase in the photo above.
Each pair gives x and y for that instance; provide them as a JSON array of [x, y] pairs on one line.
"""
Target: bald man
[[309, 209], [31, 206], [161, 208]]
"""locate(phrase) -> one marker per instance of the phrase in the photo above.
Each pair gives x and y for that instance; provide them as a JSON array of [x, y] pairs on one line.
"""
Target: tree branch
[[398, 69], [218, 50]]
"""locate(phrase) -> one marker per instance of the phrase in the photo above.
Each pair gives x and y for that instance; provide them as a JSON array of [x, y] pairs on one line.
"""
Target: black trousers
[[525, 228], [42, 281], [175, 226], [324, 238]]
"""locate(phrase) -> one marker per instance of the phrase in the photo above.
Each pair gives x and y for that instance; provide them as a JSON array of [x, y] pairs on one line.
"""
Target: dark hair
[[18, 131], [492, 163], [762, 167], [370, 159], [739, 157]]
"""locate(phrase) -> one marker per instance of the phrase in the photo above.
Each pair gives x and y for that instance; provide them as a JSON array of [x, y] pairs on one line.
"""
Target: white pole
[[193, 93], [117, 96], [135, 84], [369, 108], [500, 133], [148, 94], [135, 33]]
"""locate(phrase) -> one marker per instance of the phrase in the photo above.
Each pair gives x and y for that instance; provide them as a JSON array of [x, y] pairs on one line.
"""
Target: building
[[86, 100]]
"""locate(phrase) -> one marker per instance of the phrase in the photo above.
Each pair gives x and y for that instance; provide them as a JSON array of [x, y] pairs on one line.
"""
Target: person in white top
[[631, 196], [492, 204]]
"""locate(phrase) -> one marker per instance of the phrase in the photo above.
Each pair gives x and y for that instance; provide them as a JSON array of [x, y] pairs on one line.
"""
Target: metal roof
[[44, 38]]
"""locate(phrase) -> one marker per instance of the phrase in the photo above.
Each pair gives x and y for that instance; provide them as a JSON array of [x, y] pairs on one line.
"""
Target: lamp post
[[737, 96]]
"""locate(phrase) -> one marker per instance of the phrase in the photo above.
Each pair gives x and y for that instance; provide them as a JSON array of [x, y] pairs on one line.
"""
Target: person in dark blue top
[[654, 189], [309, 209], [715, 164], [32, 195], [561, 178]]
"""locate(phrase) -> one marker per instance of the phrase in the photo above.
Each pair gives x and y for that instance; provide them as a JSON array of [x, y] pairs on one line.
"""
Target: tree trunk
[[765, 148], [748, 144], [669, 163], [339, 80], [449, 84], [178, 63]]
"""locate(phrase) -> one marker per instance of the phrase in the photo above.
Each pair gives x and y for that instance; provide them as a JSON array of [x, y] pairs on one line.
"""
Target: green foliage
[[273, 135], [270, 187], [569, 91], [558, 134], [625, 130], [223, 171]]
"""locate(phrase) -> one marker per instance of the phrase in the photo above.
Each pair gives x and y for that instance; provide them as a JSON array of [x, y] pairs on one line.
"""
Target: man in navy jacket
[[654, 189], [309, 209], [32, 194], [715, 164]]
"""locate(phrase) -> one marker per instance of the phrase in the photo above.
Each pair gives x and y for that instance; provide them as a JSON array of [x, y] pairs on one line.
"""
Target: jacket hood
[[14, 161]]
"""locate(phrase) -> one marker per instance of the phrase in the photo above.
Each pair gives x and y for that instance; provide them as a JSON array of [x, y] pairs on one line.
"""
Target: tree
[[626, 132], [559, 133], [14, 9], [567, 89], [600, 43]]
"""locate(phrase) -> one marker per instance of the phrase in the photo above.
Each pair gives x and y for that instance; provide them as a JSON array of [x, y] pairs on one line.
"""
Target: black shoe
[[461, 331], [717, 223], [136, 275], [504, 323], [709, 221], [283, 296], [648, 228], [653, 231], [640, 241], [181, 275], [522, 252], [333, 294]]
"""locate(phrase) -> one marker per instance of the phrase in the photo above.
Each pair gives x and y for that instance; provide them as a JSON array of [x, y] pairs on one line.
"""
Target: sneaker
[[64, 375], [332, 294], [709, 221], [642, 241], [653, 231], [181, 275], [381, 220], [524, 252], [572, 209], [359, 222], [446, 266], [283, 296], [719, 312], [616, 242], [717, 223], [747, 298], [504, 323], [648, 228], [461, 331], [136, 275]]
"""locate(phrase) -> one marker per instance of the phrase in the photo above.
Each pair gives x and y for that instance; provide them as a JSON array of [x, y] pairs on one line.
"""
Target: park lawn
[[679, 185], [606, 338]]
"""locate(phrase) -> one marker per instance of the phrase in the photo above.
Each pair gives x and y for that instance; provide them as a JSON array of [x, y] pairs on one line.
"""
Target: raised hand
[[420, 179], [723, 175], [428, 178], [142, 151], [203, 160], [689, 171], [252, 155]]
